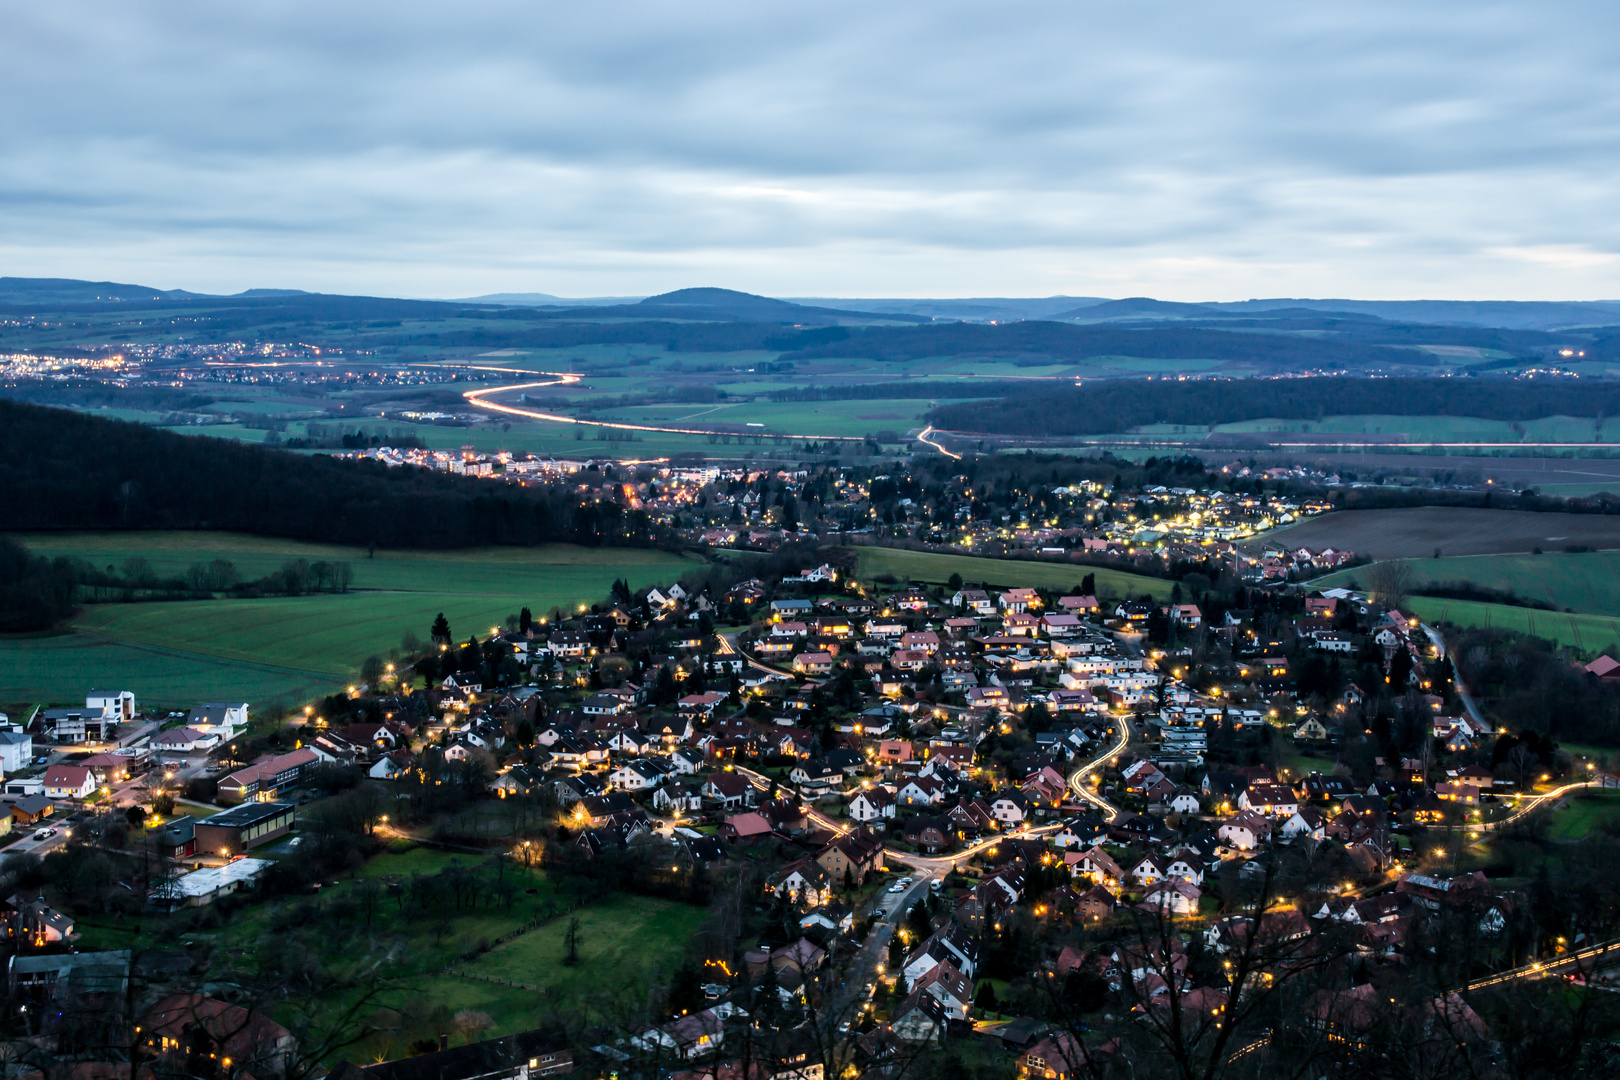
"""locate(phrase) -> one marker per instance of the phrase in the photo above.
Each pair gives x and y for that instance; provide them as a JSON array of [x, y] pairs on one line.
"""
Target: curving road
[[1077, 780]]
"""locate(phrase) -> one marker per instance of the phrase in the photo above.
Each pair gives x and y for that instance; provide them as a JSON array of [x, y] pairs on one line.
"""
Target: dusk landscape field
[[642, 541]]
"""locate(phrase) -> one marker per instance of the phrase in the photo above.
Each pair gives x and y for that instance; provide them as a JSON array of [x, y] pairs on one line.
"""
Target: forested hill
[[66, 470], [1101, 407]]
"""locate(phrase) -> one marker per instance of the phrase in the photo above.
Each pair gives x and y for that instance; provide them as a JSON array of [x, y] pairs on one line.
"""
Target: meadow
[[624, 942], [934, 567], [174, 653], [1421, 531], [1587, 582], [1589, 633]]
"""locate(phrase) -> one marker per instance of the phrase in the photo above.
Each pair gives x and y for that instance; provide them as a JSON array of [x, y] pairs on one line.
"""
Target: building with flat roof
[[243, 827]]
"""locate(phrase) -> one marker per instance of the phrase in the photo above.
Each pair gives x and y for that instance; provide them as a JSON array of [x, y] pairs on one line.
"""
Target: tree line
[[62, 470], [1102, 407]]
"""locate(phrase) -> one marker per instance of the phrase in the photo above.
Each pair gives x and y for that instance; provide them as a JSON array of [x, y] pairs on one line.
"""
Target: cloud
[[1185, 150]]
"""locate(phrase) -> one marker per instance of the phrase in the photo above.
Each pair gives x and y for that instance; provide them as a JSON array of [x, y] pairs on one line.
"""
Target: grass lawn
[[624, 941], [174, 653], [1584, 813], [932, 566]]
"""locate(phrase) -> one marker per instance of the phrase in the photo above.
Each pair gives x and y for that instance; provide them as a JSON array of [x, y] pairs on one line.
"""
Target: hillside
[[64, 470]]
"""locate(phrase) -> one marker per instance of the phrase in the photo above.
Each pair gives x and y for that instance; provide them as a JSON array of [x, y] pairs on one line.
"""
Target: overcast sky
[[1182, 150]]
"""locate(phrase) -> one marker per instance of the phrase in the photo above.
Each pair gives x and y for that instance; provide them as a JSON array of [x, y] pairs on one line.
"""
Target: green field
[[624, 941], [174, 653], [1420, 428], [1010, 573], [1583, 814], [1591, 633], [1588, 582]]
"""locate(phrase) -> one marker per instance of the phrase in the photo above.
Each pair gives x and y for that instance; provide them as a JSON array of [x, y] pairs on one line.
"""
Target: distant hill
[[1135, 307], [28, 291], [746, 307], [540, 299], [966, 309], [1507, 314]]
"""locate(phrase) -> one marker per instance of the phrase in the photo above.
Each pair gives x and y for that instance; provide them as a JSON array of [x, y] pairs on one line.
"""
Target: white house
[[390, 766], [1010, 808], [16, 748], [116, 705], [1245, 832], [636, 776], [68, 782], [1174, 897], [222, 718], [871, 804]]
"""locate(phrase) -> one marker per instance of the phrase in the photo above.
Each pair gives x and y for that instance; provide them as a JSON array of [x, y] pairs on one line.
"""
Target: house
[[921, 791], [16, 750], [1306, 821], [69, 782], [1095, 865], [953, 989], [928, 834], [729, 789], [223, 718], [1246, 831], [183, 740], [1174, 897], [687, 1038], [1273, 800], [702, 704], [920, 1018], [1059, 1056], [639, 775], [391, 766], [678, 798], [871, 804], [1010, 807], [31, 808], [177, 839], [857, 853], [1311, 730], [803, 882], [116, 705], [813, 663], [749, 826]]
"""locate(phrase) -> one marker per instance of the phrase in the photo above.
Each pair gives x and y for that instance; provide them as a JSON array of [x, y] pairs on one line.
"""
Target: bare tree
[[1391, 582]]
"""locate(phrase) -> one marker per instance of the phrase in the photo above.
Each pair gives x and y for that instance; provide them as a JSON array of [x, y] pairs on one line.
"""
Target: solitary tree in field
[[441, 630], [571, 941], [1391, 582]]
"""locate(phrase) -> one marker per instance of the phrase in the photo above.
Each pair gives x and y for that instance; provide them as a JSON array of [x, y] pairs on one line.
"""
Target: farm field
[[1418, 532], [62, 668], [1420, 428], [1587, 582], [935, 567], [1590, 633], [291, 648], [802, 418]]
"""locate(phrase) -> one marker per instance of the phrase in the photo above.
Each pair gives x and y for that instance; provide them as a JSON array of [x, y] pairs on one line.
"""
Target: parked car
[[44, 834]]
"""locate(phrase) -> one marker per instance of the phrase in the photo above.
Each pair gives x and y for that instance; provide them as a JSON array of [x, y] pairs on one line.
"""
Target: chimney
[[444, 1042]]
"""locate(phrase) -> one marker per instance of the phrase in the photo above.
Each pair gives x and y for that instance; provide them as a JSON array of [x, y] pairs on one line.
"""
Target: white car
[[897, 887], [44, 834]]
